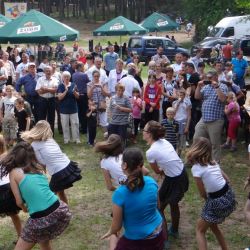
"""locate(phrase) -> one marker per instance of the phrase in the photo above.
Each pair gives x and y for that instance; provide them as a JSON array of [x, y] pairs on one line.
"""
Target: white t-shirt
[[130, 83], [182, 113], [164, 155], [211, 177], [49, 153], [21, 69], [8, 104], [176, 67], [113, 165], [103, 75]]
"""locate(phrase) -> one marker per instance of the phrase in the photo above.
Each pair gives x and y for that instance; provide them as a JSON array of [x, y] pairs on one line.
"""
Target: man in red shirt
[[227, 52]]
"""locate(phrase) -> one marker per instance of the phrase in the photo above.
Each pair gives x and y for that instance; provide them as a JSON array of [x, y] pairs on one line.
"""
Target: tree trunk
[[103, 10], [61, 9]]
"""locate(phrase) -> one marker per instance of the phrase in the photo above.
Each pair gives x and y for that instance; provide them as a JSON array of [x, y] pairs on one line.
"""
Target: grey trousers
[[212, 131]]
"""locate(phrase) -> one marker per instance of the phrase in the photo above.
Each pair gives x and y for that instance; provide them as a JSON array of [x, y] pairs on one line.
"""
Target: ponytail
[[135, 180], [133, 157]]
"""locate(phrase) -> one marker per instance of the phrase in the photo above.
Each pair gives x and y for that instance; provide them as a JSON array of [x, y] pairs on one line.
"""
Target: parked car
[[146, 46], [233, 26], [207, 45]]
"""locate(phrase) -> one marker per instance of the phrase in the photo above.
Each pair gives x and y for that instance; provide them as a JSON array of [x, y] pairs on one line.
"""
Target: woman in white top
[[111, 163], [7, 200], [63, 172], [213, 186], [164, 160]]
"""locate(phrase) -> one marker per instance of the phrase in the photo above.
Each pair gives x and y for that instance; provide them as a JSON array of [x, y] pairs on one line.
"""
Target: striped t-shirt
[[172, 128]]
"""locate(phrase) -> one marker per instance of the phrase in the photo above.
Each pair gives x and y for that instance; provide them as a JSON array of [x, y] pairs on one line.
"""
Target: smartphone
[[206, 82]]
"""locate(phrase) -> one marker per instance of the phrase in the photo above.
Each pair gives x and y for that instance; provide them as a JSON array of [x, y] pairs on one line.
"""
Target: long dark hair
[[21, 156], [133, 157], [112, 147], [156, 130]]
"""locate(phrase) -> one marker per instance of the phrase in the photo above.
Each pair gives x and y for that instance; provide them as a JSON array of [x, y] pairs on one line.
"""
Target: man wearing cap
[[213, 95], [81, 80], [46, 88], [22, 68], [28, 82]]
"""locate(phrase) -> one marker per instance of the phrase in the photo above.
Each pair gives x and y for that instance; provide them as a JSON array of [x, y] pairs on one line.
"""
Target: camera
[[206, 82]]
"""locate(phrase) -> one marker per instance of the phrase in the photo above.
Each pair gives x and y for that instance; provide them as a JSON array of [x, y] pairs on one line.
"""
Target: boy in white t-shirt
[[183, 117], [7, 117]]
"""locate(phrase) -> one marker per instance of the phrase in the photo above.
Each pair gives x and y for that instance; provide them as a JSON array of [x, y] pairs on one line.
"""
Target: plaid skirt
[[65, 178], [216, 210], [48, 227], [173, 188], [7, 201]]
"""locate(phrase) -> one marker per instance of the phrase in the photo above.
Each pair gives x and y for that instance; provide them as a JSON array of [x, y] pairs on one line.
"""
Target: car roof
[[151, 37]]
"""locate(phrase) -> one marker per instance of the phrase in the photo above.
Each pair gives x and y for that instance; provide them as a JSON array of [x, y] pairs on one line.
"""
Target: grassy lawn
[[90, 204]]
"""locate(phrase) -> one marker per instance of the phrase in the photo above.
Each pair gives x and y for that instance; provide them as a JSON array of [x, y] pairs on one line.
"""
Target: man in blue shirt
[[110, 59], [29, 82], [239, 69], [81, 80], [213, 95]]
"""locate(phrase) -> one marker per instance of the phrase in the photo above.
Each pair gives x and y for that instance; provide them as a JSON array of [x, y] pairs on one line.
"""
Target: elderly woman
[[67, 95], [97, 92]]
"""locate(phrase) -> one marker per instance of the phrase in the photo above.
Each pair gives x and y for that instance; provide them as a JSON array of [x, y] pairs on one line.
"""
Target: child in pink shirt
[[232, 110], [136, 111]]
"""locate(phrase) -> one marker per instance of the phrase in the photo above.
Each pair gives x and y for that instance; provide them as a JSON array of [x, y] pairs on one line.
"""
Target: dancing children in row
[[8, 205], [164, 160], [48, 217], [111, 162], [63, 172], [142, 221], [213, 186]]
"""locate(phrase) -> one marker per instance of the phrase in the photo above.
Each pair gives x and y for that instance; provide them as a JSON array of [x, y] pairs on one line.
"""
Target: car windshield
[[135, 43], [215, 32]]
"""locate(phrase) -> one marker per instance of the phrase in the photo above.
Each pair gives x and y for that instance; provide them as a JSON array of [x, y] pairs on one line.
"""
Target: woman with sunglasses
[[152, 97], [164, 160]]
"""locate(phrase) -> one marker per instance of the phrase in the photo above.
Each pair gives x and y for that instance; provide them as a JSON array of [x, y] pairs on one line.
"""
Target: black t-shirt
[[92, 119], [193, 80], [21, 117]]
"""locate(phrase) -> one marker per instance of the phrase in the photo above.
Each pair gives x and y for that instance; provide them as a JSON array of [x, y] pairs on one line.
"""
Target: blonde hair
[[2, 145], [170, 109], [41, 132], [120, 86], [200, 152], [231, 95]]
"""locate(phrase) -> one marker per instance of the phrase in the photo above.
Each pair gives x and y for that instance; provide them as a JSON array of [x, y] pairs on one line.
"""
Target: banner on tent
[[14, 10]]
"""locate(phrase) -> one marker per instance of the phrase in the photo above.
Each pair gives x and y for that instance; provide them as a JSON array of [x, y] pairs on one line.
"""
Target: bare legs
[[24, 245], [17, 223], [63, 196], [201, 229]]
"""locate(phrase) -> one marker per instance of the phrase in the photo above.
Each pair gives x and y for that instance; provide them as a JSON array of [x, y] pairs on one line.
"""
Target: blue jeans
[[120, 130]]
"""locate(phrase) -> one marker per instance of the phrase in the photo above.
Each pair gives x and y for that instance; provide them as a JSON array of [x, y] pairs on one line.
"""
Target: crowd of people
[[179, 104]]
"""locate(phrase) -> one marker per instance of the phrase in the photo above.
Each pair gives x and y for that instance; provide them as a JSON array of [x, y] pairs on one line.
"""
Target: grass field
[[90, 204]]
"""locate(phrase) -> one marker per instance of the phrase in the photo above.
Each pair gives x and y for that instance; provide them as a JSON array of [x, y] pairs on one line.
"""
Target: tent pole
[[121, 46]]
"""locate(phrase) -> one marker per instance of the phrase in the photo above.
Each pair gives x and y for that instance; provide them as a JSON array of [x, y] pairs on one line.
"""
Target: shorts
[[9, 128]]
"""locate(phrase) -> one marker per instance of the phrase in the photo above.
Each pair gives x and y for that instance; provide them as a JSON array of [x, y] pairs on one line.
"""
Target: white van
[[233, 27]]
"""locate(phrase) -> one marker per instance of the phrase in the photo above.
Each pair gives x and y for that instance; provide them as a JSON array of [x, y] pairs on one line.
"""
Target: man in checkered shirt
[[213, 95]]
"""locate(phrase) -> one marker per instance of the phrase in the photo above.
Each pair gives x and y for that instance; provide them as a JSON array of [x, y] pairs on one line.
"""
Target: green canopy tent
[[4, 20], [35, 27], [119, 26], [159, 22]]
